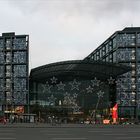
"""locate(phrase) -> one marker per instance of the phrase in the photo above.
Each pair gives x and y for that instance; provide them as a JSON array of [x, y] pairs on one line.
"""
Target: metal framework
[[86, 69]]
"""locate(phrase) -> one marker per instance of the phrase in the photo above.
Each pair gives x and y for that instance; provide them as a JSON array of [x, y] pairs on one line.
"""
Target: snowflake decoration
[[119, 81], [75, 85], [100, 94], [61, 86], [95, 82], [69, 100], [52, 100], [47, 88], [125, 102], [75, 95], [76, 108], [89, 89], [111, 80], [54, 80], [66, 94]]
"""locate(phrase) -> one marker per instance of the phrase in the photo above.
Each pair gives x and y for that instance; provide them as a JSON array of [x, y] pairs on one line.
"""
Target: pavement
[[42, 131], [47, 125]]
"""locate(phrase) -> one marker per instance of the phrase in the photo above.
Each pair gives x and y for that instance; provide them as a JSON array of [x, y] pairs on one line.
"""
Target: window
[[1, 44], [20, 84], [125, 40], [1, 57], [1, 71], [20, 43], [19, 57], [20, 70]]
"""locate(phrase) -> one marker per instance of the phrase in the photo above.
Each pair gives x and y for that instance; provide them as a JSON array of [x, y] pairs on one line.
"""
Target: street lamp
[[100, 95]]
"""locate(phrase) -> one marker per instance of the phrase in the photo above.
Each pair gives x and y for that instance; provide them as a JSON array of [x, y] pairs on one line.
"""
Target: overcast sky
[[62, 30]]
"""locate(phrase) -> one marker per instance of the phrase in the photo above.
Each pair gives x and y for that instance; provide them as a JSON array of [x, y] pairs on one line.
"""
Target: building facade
[[123, 47], [75, 89], [14, 67]]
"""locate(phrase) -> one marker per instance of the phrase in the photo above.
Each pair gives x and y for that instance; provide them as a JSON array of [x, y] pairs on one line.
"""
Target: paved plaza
[[69, 132]]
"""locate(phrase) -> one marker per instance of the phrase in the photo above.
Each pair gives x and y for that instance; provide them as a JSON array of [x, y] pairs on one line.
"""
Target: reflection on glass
[[19, 84], [19, 57], [1, 57], [125, 40], [19, 43], [20, 97], [1, 85], [1, 44], [1, 71], [20, 70]]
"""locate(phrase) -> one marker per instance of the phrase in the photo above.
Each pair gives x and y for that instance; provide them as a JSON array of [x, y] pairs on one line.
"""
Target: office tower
[[14, 66]]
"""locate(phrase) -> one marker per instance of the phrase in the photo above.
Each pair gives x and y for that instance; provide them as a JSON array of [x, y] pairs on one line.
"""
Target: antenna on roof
[[131, 25]]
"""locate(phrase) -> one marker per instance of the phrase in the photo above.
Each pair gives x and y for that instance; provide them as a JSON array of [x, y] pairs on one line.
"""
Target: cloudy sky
[[66, 29]]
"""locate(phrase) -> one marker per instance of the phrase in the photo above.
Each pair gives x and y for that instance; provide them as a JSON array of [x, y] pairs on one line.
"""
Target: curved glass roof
[[79, 68]]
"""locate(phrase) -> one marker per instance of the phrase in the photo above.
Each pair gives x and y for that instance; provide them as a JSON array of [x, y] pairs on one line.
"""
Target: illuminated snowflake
[[47, 88], [51, 100], [89, 89], [61, 86], [119, 81], [76, 108], [54, 80], [111, 80], [75, 85], [100, 94], [95, 82], [67, 100], [66, 94], [125, 102], [75, 95]]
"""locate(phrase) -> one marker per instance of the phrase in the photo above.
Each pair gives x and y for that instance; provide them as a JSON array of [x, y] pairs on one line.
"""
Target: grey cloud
[[71, 7], [66, 29]]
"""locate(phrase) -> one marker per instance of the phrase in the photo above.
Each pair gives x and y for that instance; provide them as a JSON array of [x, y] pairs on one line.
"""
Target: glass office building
[[14, 65], [123, 47]]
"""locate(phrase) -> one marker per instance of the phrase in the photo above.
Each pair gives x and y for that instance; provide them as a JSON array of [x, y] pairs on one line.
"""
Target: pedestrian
[[4, 120]]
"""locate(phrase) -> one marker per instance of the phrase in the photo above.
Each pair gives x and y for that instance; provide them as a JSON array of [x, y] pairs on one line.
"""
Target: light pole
[[100, 95]]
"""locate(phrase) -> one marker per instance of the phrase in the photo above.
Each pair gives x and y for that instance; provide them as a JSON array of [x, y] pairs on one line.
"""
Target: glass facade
[[72, 97], [14, 63], [123, 47]]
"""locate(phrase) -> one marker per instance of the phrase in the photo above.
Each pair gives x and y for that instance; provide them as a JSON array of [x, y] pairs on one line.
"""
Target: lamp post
[[100, 95]]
